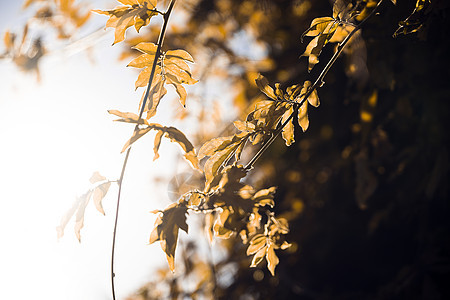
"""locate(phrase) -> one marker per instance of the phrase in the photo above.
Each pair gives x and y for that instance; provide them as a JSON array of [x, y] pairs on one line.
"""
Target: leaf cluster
[[97, 193]]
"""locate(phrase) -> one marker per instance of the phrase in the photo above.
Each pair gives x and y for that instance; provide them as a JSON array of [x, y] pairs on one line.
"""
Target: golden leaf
[[96, 177], [137, 134], [288, 130], [303, 120], [272, 259], [166, 229], [127, 117], [259, 256], [179, 54], [144, 76], [213, 164], [214, 145], [137, 13], [318, 26], [256, 243], [157, 143], [263, 85], [155, 95], [98, 195]]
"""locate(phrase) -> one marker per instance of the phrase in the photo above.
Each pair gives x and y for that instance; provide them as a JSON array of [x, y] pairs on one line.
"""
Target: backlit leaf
[[257, 242], [179, 54], [123, 17], [137, 134], [272, 259], [303, 120], [288, 130], [157, 143], [263, 85], [98, 195], [128, 117], [213, 164], [259, 256], [166, 229]]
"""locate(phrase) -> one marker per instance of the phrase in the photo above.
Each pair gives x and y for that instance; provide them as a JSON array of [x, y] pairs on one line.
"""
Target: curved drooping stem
[[162, 34], [317, 84]]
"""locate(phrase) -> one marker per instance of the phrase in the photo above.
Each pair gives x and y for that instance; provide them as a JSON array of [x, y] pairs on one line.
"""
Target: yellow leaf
[[257, 242], [155, 95], [213, 145], [178, 63], [313, 98], [157, 143], [179, 54], [288, 130], [96, 177], [123, 17], [148, 48], [128, 117], [181, 91], [142, 61], [98, 195], [137, 134], [213, 164], [303, 120], [79, 217], [272, 259], [166, 229], [318, 26], [259, 256], [144, 76], [180, 75], [263, 85]]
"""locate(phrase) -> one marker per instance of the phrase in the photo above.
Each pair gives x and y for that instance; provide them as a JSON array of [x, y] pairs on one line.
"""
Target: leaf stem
[[317, 84], [162, 34]]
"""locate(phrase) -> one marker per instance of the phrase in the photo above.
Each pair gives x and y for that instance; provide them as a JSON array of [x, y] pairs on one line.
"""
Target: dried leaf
[[213, 164], [155, 95], [96, 177]]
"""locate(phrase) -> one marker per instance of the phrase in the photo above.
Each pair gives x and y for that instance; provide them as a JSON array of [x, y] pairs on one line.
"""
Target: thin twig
[[162, 33], [317, 84]]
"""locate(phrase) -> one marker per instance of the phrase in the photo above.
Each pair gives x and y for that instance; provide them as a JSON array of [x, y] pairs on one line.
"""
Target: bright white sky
[[54, 135]]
